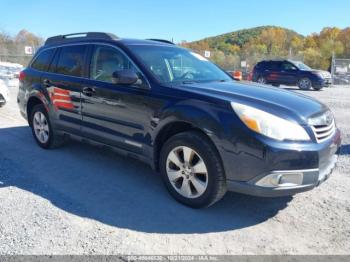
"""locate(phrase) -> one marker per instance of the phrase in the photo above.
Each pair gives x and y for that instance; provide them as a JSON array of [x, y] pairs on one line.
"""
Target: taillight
[[22, 75]]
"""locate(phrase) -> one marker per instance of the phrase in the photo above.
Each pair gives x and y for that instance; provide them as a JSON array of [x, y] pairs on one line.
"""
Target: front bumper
[[310, 179], [286, 171], [322, 82]]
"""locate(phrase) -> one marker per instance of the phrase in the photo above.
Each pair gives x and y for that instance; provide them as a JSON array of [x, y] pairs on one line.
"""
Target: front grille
[[323, 132]]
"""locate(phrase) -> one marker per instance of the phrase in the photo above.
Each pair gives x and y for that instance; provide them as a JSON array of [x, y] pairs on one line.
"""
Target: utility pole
[[332, 67]]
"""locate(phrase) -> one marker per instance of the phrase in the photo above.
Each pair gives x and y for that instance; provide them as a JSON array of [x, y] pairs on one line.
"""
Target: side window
[[263, 65], [107, 60], [275, 66], [53, 65], [71, 60], [288, 66], [42, 62]]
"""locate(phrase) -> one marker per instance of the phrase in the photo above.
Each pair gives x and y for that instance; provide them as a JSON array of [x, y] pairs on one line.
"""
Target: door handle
[[89, 91], [47, 83]]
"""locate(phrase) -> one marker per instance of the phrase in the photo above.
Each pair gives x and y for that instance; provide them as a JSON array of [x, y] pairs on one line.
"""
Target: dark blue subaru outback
[[171, 108], [287, 72]]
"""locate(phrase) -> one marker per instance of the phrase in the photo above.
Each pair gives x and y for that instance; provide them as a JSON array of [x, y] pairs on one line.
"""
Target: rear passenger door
[[273, 72], [64, 83]]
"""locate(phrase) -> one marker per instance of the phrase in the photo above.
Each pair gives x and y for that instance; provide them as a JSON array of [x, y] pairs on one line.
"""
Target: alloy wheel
[[41, 127], [261, 80], [187, 172], [304, 83]]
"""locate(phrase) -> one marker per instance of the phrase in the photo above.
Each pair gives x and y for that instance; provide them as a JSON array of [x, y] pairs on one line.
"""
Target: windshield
[[301, 65], [173, 64]]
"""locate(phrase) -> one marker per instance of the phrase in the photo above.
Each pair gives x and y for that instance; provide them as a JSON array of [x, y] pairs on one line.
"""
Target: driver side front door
[[114, 114], [288, 73]]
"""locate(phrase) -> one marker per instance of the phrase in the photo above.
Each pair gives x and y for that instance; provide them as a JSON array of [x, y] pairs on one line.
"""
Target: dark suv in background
[[287, 72], [176, 111]]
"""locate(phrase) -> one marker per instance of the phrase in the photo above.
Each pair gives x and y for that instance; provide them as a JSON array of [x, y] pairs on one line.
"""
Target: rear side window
[[262, 65], [42, 62], [71, 60], [275, 65]]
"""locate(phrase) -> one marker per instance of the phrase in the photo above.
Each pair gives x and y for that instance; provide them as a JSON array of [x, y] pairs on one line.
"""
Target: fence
[[244, 63], [341, 71], [340, 68], [16, 58]]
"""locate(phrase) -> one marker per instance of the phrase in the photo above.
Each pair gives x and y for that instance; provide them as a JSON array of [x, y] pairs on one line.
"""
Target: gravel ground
[[84, 200]]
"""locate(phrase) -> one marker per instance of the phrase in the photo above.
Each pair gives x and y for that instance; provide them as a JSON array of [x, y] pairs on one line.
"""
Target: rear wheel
[[261, 80], [42, 130], [191, 170], [304, 83]]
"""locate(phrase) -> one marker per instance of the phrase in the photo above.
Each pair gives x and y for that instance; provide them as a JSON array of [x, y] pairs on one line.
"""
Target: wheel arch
[[175, 127], [32, 102]]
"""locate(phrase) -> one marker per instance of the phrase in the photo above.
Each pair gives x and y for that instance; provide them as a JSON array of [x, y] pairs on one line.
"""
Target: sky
[[176, 19]]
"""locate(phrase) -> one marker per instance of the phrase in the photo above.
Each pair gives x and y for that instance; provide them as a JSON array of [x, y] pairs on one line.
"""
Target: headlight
[[269, 125]]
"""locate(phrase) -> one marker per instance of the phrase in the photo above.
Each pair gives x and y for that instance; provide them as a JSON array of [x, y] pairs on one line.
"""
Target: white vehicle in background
[[9, 73], [4, 93]]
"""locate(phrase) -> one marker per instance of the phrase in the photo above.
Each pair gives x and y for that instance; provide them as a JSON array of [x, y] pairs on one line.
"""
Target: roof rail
[[75, 36], [161, 40]]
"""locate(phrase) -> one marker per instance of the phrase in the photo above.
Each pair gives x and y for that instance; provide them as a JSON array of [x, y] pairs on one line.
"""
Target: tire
[[317, 88], [304, 83], [39, 127], [276, 85], [261, 80], [3, 101], [201, 182]]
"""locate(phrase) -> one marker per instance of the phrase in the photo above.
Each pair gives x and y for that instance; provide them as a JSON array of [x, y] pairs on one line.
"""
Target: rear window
[[42, 62], [71, 60]]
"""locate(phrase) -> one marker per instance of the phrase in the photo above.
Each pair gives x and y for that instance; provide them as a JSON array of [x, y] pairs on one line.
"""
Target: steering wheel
[[187, 75]]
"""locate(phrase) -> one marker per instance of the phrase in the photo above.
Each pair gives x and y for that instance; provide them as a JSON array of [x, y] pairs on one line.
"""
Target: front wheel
[[304, 83], [317, 88], [191, 170]]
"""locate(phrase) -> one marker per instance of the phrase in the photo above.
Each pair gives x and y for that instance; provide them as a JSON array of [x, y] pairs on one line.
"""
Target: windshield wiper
[[189, 82], [219, 80]]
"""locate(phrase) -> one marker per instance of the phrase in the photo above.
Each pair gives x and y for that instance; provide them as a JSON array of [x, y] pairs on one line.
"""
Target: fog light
[[281, 179]]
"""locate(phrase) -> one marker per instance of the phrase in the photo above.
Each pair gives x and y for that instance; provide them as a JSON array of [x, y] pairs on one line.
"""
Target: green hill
[[239, 38], [243, 36]]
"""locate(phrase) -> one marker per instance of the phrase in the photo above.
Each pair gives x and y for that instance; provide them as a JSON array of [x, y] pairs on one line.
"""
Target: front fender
[[207, 118]]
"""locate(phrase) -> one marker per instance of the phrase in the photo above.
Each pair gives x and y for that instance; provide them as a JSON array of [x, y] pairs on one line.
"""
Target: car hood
[[324, 73], [288, 104]]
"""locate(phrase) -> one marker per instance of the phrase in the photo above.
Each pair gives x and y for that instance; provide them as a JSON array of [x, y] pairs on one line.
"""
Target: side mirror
[[125, 77]]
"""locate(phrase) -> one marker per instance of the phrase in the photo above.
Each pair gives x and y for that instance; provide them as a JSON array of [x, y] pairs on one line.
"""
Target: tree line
[[270, 42], [228, 50], [12, 47]]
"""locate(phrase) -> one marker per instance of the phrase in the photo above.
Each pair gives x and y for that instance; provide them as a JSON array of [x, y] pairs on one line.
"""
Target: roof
[[93, 36]]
